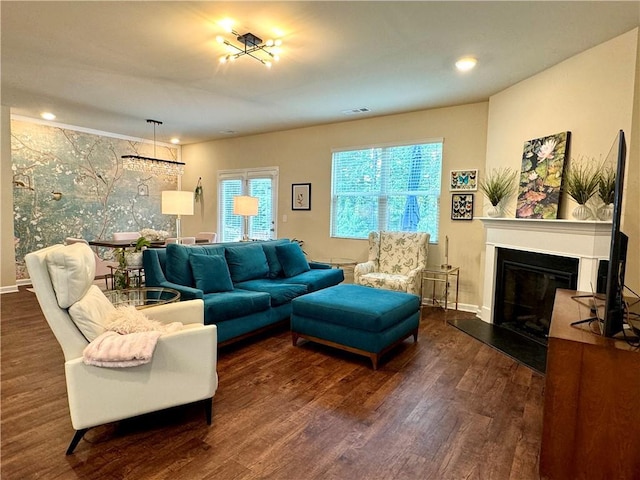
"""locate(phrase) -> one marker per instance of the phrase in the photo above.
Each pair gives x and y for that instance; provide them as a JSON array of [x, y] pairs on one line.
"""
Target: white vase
[[581, 212], [495, 211], [133, 259], [605, 212]]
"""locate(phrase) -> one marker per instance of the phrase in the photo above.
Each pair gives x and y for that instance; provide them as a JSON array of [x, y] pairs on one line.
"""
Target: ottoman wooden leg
[[374, 360], [415, 336], [294, 338]]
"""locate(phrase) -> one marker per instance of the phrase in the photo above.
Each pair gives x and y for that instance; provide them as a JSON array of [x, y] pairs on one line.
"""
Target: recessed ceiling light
[[228, 132], [466, 63], [175, 141], [48, 116]]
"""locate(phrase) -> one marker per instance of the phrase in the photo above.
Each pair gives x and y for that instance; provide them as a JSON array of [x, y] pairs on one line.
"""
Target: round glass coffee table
[[143, 297]]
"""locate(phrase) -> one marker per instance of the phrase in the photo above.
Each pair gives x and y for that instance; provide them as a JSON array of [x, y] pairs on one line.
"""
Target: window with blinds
[[261, 183], [393, 188]]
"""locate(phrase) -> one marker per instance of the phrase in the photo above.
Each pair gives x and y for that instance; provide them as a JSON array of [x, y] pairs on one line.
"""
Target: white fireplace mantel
[[588, 241]]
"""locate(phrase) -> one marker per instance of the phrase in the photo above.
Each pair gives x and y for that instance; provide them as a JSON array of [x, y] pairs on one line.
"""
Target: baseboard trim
[[9, 289]]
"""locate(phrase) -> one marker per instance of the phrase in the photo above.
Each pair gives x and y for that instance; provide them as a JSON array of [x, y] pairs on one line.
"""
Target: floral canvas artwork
[[541, 176]]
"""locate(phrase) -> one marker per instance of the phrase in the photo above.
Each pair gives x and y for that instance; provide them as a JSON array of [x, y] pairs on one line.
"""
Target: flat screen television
[[614, 309]]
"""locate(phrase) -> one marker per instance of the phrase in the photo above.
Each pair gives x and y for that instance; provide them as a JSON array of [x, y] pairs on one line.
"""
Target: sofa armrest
[[186, 293], [319, 265], [362, 269], [415, 281], [190, 311]]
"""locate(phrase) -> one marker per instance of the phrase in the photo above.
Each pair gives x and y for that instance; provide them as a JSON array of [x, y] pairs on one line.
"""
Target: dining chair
[[126, 235], [210, 236], [183, 240]]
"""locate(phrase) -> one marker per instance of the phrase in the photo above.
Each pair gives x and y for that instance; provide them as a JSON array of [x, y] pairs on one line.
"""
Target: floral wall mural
[[71, 183]]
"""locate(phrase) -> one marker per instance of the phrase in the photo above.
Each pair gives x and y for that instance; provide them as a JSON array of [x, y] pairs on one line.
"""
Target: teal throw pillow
[[247, 262], [292, 259], [275, 268], [211, 273]]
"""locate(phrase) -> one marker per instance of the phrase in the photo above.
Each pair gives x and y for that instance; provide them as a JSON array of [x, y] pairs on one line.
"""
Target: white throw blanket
[[110, 349]]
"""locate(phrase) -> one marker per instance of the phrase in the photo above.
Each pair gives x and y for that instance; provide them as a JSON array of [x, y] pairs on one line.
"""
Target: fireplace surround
[[586, 242], [526, 283]]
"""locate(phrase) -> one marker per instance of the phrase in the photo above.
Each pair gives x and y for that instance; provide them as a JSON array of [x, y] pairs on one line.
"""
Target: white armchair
[[182, 369], [396, 261]]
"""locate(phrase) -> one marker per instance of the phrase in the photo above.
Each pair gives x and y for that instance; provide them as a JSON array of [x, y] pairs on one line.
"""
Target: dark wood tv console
[[591, 422]]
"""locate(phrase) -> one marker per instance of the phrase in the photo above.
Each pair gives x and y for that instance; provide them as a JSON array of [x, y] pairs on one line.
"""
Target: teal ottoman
[[363, 320]]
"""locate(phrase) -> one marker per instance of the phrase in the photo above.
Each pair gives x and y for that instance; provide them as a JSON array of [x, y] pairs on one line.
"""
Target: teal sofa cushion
[[211, 273], [222, 306], [315, 279], [275, 267], [280, 292], [247, 262], [292, 259], [178, 268]]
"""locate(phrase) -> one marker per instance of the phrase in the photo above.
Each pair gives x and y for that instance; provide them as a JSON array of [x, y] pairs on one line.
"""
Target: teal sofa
[[246, 286]]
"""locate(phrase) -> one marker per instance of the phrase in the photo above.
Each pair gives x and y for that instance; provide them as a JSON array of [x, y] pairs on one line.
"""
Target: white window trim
[[383, 145], [245, 174]]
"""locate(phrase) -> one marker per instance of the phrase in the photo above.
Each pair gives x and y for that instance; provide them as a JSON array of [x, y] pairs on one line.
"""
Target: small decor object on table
[[462, 206], [464, 180], [498, 186], [541, 176], [129, 262], [301, 196]]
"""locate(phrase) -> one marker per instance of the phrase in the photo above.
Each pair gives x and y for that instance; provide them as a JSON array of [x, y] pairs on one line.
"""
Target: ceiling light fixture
[[157, 166], [48, 116], [253, 46], [466, 63]]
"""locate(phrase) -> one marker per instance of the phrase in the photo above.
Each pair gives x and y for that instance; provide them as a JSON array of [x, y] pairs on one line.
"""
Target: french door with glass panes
[[260, 183]]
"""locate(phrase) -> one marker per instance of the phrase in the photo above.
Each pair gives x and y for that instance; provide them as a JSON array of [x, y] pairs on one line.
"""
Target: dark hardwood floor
[[448, 407]]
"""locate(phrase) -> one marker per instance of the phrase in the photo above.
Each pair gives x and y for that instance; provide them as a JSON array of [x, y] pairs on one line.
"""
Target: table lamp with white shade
[[177, 202], [247, 207]]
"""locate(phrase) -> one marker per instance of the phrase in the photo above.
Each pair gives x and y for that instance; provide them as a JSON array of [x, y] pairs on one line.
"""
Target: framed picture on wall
[[462, 206], [301, 196], [463, 180]]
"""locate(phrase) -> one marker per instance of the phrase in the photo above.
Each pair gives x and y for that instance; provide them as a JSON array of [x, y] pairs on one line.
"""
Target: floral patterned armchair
[[396, 261]]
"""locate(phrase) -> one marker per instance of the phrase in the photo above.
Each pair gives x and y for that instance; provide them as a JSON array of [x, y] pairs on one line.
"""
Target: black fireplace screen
[[525, 288]]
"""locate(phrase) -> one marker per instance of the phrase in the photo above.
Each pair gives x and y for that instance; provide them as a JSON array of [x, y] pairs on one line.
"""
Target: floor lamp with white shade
[[177, 202], [247, 207]]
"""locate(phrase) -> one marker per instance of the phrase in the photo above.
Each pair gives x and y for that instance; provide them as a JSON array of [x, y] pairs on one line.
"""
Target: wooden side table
[[441, 275]]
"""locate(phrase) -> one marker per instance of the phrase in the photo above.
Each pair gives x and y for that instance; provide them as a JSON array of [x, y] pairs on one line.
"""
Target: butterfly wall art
[[464, 180], [462, 206]]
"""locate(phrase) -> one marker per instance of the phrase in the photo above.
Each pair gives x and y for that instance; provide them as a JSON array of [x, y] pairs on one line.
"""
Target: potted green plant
[[606, 192], [133, 257], [497, 186], [581, 183]]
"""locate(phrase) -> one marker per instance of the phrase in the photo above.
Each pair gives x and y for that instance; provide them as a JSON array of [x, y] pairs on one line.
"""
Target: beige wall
[[7, 258], [593, 95], [304, 155]]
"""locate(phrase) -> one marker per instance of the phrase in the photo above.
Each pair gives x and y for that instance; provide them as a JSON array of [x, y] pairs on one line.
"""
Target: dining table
[[110, 243]]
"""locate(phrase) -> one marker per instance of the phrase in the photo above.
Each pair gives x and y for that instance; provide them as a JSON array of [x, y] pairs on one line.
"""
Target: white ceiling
[[111, 65]]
